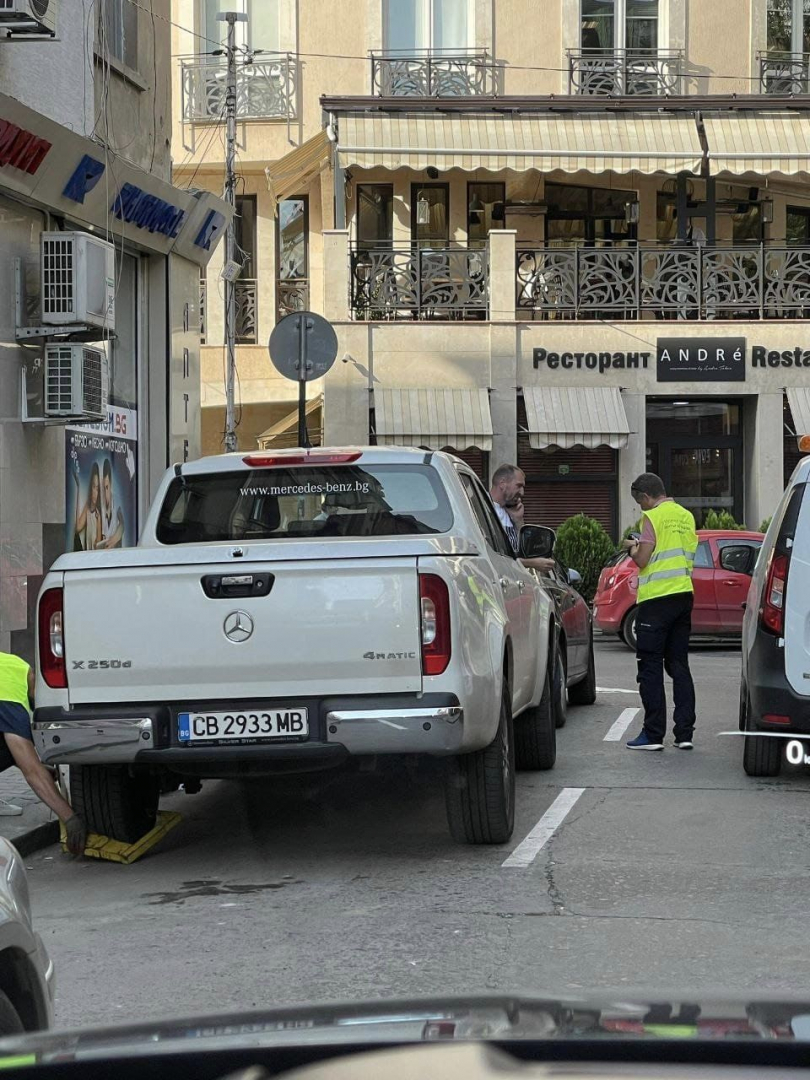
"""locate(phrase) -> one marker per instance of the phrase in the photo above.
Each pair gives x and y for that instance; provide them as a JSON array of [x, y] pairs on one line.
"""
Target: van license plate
[[245, 726]]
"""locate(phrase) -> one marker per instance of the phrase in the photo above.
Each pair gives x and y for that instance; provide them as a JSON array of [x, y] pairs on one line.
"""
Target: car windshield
[[307, 502]]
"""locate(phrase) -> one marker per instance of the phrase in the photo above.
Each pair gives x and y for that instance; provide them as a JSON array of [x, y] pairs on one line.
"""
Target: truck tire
[[536, 733], [114, 803], [584, 693], [10, 1022], [480, 787]]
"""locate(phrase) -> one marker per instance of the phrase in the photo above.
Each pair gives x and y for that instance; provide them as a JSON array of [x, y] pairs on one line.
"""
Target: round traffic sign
[[303, 346]]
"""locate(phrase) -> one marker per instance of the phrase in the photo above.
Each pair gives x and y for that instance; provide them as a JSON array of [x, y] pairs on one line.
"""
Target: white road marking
[[613, 690], [527, 850], [617, 729]]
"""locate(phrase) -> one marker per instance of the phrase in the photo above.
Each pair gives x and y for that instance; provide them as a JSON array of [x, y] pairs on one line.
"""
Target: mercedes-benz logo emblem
[[238, 626]]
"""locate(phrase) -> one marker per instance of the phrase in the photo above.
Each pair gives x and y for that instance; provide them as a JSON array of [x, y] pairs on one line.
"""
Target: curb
[[41, 836]]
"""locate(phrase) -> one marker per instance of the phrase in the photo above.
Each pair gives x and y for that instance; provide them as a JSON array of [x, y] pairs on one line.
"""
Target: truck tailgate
[[153, 633]]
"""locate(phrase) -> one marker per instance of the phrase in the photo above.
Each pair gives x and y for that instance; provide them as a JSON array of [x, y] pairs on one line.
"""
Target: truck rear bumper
[[339, 727]]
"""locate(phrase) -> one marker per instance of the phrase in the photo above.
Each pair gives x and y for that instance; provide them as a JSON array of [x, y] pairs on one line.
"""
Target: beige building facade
[[574, 235]]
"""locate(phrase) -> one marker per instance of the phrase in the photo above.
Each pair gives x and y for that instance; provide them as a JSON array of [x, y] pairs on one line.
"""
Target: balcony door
[[261, 31], [436, 26], [614, 25], [788, 26]]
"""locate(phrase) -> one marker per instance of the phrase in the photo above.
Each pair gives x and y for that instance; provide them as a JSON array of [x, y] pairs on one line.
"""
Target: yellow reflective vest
[[13, 679], [669, 570]]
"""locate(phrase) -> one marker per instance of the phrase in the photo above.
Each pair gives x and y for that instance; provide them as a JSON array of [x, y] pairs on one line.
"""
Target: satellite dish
[[303, 346]]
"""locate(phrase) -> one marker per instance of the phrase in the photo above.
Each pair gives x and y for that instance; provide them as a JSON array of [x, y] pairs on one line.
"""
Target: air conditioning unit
[[76, 382], [28, 16], [78, 280]]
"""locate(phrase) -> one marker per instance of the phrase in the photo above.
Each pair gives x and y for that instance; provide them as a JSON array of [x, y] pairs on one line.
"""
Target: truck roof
[[326, 455]]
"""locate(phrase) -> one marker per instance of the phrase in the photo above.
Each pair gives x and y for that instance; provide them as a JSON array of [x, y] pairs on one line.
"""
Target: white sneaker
[[8, 809]]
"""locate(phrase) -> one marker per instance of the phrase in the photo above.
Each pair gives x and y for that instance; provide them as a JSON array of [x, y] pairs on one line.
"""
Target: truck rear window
[[322, 502]]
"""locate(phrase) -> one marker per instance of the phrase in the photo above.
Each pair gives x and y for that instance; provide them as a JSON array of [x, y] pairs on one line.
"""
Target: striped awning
[[566, 416], [799, 401], [433, 418], [596, 143], [292, 174], [758, 142]]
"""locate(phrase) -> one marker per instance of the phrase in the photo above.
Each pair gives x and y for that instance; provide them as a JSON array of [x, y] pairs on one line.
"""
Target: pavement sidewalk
[[37, 826]]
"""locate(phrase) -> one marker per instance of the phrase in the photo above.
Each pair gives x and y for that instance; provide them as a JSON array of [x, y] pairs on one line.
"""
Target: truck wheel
[[559, 691], [629, 628], [480, 788], [584, 693], [536, 734], [761, 756], [10, 1022], [112, 802]]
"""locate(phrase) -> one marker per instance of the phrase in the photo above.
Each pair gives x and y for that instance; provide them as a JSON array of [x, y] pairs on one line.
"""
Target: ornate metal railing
[[428, 74], [265, 89], [292, 294], [784, 73], [616, 72], [672, 282], [203, 308], [387, 283], [247, 319]]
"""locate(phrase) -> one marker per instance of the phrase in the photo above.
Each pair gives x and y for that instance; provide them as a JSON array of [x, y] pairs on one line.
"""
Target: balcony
[[265, 89], [408, 283], [622, 72], [247, 322], [431, 74], [784, 73], [292, 294], [664, 282]]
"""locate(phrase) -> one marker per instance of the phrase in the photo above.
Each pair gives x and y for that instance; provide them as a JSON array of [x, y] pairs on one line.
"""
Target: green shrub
[[583, 545], [763, 525], [721, 519]]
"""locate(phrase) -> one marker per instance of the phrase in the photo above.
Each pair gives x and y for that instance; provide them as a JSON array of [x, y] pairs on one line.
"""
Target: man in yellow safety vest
[[17, 746], [665, 556]]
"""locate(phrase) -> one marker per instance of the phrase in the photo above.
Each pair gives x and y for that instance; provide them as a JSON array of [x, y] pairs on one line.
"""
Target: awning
[[761, 142], [799, 401], [625, 142], [284, 434], [292, 174], [576, 416], [433, 418]]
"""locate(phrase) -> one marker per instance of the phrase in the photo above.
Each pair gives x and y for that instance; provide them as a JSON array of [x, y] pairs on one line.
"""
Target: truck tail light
[[435, 605], [772, 611], [309, 457], [52, 640]]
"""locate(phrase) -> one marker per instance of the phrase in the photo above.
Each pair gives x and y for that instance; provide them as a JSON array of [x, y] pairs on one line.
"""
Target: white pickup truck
[[293, 610]]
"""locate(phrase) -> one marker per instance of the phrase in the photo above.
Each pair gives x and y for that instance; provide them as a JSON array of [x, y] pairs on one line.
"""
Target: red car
[[724, 562]]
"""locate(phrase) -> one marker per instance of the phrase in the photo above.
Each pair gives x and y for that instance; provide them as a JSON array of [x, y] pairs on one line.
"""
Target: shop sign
[[770, 358], [591, 361], [701, 359]]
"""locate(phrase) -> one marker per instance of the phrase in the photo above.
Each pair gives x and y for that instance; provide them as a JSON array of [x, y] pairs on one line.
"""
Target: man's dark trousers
[[663, 626]]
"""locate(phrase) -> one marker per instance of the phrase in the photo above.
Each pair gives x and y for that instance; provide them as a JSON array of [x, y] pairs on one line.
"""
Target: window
[[245, 234], [437, 25], [788, 26], [485, 210], [332, 501], [375, 215], [118, 31], [261, 31], [293, 238], [620, 24], [798, 224], [430, 212], [580, 215], [703, 557], [486, 517]]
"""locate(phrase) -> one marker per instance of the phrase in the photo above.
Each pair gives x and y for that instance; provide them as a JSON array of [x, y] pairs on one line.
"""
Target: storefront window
[[430, 211], [485, 211], [375, 215], [798, 225], [581, 215]]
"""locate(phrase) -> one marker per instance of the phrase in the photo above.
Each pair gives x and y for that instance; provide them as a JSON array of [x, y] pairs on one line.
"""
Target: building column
[[503, 347], [633, 460], [763, 457], [336, 275]]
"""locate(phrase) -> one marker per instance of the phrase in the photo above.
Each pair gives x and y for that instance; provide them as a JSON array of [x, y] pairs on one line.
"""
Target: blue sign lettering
[[88, 173], [137, 207], [212, 229]]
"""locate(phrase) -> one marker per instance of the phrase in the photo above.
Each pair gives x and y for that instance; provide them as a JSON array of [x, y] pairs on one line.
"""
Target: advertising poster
[[101, 498]]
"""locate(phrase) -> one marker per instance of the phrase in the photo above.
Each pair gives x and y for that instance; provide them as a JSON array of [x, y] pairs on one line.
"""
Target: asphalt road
[[670, 872]]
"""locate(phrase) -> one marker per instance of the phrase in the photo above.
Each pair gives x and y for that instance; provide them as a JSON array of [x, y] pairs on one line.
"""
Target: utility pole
[[231, 18]]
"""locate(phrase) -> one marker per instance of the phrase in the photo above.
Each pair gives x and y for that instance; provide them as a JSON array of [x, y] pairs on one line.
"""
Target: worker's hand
[[628, 544], [76, 835]]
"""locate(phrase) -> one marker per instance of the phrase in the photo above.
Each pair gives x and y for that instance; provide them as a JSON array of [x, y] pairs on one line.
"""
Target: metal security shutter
[[478, 460], [562, 483]]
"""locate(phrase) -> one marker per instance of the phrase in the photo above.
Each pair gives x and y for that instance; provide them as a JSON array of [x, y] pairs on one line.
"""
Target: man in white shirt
[[506, 492], [112, 518]]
